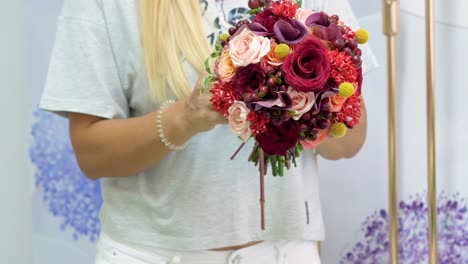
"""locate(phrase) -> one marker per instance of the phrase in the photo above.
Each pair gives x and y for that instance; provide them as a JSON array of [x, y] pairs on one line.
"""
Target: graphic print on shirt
[[224, 15]]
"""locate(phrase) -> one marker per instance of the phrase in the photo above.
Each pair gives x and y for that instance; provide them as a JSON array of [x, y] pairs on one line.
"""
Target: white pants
[[267, 252]]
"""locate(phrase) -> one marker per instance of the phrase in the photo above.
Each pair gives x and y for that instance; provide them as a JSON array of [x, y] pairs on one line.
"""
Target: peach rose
[[323, 135], [336, 102], [238, 122], [248, 48], [302, 102], [224, 67], [303, 14]]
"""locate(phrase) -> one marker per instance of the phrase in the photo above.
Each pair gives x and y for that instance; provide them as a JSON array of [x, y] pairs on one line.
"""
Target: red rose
[[277, 140], [307, 69], [247, 80]]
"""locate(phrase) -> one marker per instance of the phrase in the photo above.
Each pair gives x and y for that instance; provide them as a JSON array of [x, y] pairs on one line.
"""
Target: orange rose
[[271, 57], [224, 67], [321, 137], [336, 102]]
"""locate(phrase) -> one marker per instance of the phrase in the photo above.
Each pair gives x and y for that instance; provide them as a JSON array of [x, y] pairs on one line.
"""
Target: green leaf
[[254, 11], [218, 48], [206, 82], [299, 3], [207, 66]]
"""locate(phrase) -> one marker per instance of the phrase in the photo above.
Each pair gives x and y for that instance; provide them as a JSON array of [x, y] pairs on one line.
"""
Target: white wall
[[15, 184]]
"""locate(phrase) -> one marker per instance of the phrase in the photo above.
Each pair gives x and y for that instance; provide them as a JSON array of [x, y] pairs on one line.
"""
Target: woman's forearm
[[348, 146], [125, 147]]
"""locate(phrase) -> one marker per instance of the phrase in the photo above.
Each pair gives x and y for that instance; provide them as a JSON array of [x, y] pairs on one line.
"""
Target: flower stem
[[273, 165], [238, 150], [262, 186]]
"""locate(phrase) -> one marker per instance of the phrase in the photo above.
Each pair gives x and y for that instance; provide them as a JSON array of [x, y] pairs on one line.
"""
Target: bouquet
[[289, 78]]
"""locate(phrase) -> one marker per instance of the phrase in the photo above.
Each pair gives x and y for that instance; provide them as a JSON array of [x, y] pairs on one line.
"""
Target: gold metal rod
[[390, 23], [431, 162]]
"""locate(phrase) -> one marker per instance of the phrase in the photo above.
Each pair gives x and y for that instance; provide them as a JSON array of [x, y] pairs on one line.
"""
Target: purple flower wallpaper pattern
[[67, 193], [412, 233]]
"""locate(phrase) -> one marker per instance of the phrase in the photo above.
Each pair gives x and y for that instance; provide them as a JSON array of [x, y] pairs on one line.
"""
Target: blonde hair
[[171, 29]]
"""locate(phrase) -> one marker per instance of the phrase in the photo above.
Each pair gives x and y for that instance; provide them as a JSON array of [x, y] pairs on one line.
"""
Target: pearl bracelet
[[159, 122]]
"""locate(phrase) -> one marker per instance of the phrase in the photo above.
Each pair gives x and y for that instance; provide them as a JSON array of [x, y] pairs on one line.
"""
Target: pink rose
[[336, 102], [224, 67], [303, 14], [302, 102], [323, 135], [238, 120], [248, 48]]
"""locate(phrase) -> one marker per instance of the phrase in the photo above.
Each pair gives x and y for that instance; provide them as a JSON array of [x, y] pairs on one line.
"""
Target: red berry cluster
[[347, 44]]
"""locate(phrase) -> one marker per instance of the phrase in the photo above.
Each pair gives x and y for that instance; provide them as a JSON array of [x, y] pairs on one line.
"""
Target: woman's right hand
[[199, 113]]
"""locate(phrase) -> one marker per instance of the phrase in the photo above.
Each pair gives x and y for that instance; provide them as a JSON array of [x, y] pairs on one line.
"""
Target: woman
[[171, 195]]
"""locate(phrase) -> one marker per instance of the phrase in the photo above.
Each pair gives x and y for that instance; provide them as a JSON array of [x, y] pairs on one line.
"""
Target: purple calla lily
[[290, 32], [258, 29], [322, 28], [319, 18], [282, 100]]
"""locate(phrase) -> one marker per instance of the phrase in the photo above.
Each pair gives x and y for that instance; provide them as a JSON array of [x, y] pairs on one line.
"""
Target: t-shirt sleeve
[[343, 9], [83, 76]]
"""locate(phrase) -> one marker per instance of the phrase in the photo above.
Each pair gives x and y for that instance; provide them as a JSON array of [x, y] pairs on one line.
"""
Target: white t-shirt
[[194, 199]]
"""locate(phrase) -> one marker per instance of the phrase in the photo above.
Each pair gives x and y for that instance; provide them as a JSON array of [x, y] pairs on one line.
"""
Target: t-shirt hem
[[62, 107]]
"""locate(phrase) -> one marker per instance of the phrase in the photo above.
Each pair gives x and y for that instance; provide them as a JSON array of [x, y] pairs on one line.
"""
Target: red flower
[[351, 111], [343, 68], [349, 33], [307, 69], [285, 9], [257, 123], [222, 97], [247, 80], [268, 20], [277, 140]]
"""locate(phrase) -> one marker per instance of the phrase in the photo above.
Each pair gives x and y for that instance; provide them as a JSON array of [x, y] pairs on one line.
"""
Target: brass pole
[[431, 163], [390, 27]]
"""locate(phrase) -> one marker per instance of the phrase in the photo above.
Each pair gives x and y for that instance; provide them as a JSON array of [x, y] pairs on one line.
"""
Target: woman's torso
[[198, 198]]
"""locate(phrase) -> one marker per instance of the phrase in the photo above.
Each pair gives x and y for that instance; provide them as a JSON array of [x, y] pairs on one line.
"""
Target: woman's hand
[[199, 113]]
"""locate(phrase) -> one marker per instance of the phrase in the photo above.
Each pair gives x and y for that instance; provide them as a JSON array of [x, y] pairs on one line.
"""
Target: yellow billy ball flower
[[346, 89], [362, 36], [224, 36], [338, 130], [282, 50]]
